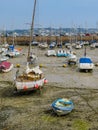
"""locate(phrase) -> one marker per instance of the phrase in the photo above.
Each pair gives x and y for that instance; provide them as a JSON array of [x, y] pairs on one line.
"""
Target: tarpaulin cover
[[11, 47], [85, 60], [5, 64]]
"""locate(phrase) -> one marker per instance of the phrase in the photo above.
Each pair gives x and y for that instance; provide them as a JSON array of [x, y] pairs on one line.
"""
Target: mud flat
[[32, 110]]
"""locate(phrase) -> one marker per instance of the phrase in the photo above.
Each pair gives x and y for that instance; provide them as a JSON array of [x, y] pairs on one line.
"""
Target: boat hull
[[62, 55], [84, 66], [9, 69], [60, 112], [29, 85], [72, 59], [85, 63], [4, 58], [62, 106]]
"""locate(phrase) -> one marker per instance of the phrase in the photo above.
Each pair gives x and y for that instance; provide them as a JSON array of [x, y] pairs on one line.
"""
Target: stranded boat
[[6, 66], [62, 106], [85, 63], [32, 78], [62, 53], [72, 59]]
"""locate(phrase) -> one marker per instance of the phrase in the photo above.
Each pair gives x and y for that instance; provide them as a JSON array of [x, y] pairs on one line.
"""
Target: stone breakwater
[[24, 40]]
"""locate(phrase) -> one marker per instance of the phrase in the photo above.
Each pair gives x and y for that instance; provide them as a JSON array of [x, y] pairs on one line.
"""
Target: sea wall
[[24, 40]]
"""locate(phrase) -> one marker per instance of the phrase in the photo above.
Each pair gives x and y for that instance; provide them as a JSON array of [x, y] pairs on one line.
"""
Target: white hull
[[7, 70], [11, 53], [51, 53], [78, 47], [92, 46], [29, 85], [43, 45], [33, 58], [85, 63], [86, 66], [4, 58], [72, 58]]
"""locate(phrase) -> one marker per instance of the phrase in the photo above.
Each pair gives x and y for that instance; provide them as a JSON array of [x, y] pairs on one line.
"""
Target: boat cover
[[5, 65], [11, 47], [36, 70], [85, 60]]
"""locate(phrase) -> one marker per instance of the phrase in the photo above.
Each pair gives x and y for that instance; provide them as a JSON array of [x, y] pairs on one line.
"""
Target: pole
[[31, 31]]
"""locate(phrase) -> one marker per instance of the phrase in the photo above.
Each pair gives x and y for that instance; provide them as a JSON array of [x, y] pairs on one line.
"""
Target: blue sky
[[14, 14]]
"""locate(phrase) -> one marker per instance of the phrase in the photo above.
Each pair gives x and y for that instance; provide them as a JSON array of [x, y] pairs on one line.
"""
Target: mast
[[85, 52], [31, 31]]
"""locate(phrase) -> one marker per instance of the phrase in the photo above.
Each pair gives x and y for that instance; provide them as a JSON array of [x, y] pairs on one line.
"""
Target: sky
[[17, 14]]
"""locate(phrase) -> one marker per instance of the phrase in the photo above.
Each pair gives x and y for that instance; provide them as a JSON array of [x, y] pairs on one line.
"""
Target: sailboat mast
[[85, 52], [31, 31]]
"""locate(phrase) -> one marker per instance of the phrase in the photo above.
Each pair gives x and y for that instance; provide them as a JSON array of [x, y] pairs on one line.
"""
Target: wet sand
[[32, 111]]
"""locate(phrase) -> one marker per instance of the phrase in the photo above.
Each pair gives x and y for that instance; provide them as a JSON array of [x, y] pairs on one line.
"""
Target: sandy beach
[[32, 110]]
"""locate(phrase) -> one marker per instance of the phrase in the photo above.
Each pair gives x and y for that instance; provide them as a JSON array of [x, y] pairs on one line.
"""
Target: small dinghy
[[3, 58], [62, 106], [6, 66], [62, 53], [12, 52], [86, 63], [43, 45], [72, 59]]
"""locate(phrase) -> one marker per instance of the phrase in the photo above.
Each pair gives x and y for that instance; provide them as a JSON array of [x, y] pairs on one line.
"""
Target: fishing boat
[[32, 58], [3, 58], [43, 45], [32, 78], [11, 52], [62, 106], [52, 45], [2, 50], [93, 45], [78, 46], [50, 53], [96, 44], [62, 53], [6, 66], [85, 63], [72, 59]]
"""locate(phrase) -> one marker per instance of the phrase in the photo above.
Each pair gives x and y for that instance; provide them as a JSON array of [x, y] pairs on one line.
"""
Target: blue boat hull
[[62, 106]]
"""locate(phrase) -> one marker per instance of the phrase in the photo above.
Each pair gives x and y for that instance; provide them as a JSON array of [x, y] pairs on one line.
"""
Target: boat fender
[[64, 65], [36, 86], [18, 65], [25, 88], [45, 81]]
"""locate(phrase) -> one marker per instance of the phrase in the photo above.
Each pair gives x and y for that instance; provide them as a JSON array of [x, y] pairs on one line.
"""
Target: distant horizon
[[49, 13]]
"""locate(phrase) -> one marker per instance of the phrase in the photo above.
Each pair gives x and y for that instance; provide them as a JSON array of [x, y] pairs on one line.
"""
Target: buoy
[[45, 81], [41, 65], [74, 53], [36, 86], [96, 64], [64, 65], [18, 65], [25, 88]]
